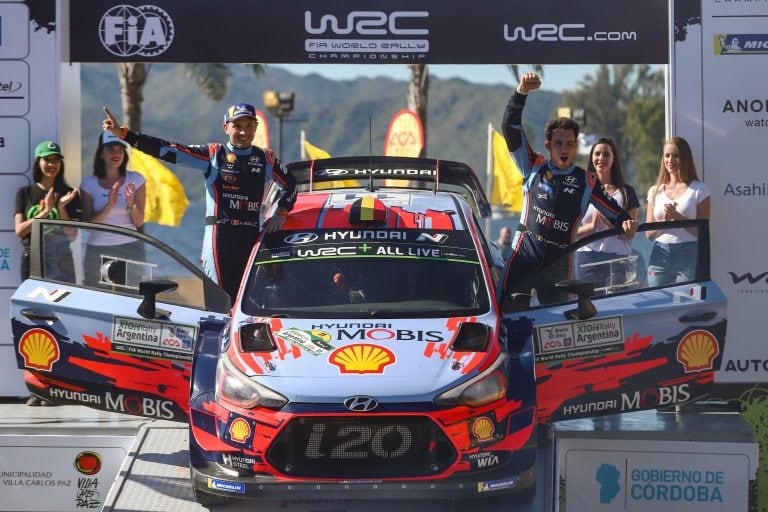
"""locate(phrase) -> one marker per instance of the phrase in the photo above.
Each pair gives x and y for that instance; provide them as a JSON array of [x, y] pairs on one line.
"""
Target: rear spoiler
[[391, 172]]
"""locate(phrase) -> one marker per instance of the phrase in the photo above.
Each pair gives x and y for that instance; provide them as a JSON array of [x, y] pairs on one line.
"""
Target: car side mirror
[[149, 290], [584, 290]]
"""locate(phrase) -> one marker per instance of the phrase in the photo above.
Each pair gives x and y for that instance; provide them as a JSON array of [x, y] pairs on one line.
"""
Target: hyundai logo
[[360, 403], [300, 238]]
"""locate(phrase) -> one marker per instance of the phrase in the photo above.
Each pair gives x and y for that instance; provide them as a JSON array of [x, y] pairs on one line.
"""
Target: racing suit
[[235, 182], [554, 200]]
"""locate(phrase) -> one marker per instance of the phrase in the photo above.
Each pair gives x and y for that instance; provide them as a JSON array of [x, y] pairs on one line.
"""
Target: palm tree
[[210, 78], [418, 95]]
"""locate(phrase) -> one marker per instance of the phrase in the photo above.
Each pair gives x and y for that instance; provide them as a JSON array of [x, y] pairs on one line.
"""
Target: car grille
[[361, 448]]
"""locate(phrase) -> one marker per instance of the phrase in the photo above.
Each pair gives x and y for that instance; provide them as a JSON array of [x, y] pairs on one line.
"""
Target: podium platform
[[148, 461]]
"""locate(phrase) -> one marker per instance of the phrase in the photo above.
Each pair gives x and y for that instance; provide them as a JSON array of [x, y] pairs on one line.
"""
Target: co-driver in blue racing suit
[[556, 194], [236, 176]]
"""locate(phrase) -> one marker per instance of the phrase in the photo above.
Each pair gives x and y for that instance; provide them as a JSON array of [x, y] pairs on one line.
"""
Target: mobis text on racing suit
[[554, 200], [235, 181]]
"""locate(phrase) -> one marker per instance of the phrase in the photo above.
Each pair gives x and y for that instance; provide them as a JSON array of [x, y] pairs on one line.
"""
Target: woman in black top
[[49, 197]]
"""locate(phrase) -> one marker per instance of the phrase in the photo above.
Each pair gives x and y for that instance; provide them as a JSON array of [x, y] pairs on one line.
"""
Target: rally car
[[372, 350]]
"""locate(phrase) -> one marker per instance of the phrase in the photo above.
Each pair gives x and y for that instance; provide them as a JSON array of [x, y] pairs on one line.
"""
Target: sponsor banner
[[59, 473], [655, 476], [145, 338], [372, 32], [571, 340], [720, 69], [10, 260]]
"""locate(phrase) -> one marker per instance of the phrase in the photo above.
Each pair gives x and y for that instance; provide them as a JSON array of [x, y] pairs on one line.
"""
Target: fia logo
[[144, 31]]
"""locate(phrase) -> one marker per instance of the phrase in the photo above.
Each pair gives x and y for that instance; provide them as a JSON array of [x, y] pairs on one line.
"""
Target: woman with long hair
[[112, 195], [677, 195], [605, 262]]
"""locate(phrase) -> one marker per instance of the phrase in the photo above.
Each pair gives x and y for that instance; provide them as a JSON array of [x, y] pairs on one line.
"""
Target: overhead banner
[[371, 31]]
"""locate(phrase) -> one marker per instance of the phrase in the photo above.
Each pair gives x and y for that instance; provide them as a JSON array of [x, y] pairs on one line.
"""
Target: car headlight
[[238, 389], [489, 386]]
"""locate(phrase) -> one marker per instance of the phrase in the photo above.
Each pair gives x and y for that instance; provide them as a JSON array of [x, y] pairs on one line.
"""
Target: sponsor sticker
[[147, 338], [697, 351], [494, 485], [39, 349], [314, 341], [362, 358], [223, 485], [572, 340]]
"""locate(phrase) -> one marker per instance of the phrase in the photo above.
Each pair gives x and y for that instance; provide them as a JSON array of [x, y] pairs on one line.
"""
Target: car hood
[[403, 359]]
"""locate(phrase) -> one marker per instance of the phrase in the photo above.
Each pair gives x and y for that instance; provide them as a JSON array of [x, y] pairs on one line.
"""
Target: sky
[[557, 77]]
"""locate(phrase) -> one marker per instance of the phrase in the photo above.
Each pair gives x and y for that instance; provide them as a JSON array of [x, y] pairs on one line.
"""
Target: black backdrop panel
[[371, 31]]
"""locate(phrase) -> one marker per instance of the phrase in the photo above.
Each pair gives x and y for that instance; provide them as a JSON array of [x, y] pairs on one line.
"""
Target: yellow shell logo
[[697, 351], [483, 429], [39, 348], [231, 158], [362, 358], [239, 430]]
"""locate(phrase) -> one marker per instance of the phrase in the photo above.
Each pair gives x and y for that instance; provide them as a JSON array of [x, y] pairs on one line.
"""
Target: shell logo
[[240, 430], [39, 349], [483, 429], [362, 358], [697, 351]]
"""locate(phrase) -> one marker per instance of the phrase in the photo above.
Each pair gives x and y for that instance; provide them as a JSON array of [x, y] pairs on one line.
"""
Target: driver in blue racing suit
[[556, 194], [236, 176]]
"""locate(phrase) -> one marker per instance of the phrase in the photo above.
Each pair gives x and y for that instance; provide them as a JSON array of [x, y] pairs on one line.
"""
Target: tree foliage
[[626, 102]]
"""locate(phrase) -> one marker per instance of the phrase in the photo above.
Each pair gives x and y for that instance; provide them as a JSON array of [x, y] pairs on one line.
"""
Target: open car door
[[613, 343], [121, 341]]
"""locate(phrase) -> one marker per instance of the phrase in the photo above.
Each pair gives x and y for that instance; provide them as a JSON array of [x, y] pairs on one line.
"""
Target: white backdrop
[[710, 89], [30, 110]]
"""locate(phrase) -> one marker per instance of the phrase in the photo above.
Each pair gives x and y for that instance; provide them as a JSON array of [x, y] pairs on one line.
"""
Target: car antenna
[[437, 176], [370, 153]]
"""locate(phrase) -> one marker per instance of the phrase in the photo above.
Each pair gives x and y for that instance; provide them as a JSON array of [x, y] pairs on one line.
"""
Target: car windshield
[[366, 273]]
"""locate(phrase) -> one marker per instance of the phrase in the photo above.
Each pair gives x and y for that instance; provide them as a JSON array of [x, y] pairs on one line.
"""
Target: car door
[[123, 342], [624, 346]]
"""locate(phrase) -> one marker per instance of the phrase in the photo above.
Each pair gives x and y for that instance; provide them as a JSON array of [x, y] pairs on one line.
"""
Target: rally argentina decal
[[570, 340], [146, 338]]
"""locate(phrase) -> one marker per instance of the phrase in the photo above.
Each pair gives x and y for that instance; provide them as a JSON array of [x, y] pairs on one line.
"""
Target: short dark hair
[[561, 123]]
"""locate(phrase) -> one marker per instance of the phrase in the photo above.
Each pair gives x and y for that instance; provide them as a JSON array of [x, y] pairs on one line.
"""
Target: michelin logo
[[740, 44]]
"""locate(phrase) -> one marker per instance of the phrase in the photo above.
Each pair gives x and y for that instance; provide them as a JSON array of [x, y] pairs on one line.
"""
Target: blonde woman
[[677, 195]]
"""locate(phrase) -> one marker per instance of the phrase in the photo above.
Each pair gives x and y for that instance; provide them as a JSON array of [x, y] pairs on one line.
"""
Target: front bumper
[[518, 475]]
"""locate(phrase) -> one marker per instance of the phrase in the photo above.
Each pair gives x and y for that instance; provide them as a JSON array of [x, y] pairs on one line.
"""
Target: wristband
[[282, 211]]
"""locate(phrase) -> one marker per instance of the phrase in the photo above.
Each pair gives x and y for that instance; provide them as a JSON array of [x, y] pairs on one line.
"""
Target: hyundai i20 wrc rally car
[[371, 351]]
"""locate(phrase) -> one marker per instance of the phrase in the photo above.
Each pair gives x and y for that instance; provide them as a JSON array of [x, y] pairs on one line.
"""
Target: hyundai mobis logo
[[564, 32], [367, 36]]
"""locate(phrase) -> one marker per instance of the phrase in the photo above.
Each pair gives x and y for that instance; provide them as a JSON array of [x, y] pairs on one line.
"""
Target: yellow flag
[[314, 152], [507, 179], [166, 200]]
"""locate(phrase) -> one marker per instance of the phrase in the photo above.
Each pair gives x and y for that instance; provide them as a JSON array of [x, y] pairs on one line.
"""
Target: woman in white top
[[112, 195], [605, 262], [677, 195]]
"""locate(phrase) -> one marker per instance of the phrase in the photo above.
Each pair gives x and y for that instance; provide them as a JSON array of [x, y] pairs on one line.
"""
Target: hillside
[[334, 114]]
